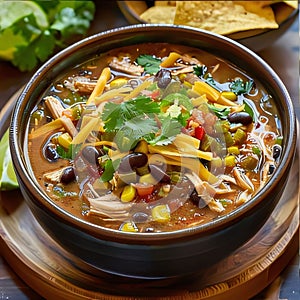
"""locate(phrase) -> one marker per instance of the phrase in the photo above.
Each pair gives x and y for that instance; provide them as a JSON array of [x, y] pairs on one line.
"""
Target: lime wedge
[[8, 180], [11, 11]]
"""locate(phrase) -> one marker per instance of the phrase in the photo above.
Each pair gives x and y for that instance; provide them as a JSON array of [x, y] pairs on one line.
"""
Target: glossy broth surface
[[153, 138]]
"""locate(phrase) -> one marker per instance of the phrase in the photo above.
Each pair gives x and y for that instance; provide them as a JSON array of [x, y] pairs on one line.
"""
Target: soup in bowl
[[137, 148]]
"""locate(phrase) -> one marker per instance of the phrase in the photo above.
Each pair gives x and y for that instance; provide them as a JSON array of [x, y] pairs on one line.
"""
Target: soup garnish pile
[[154, 138]]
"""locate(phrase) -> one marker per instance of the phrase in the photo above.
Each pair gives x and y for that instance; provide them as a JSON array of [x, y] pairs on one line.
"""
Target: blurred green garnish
[[31, 31]]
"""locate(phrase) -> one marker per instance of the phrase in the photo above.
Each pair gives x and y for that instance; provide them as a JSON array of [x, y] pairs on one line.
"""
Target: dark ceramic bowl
[[151, 255]]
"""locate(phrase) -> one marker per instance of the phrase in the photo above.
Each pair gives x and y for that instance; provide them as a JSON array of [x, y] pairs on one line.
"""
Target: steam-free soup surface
[[154, 137]]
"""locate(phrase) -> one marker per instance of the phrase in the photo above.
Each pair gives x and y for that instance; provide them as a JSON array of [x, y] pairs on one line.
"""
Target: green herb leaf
[[169, 129], [221, 113], [115, 115], [109, 171], [31, 31], [150, 63], [240, 87], [180, 98], [200, 70], [135, 129], [248, 109]]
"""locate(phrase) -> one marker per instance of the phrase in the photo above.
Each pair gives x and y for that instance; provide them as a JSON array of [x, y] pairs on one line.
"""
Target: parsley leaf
[[150, 63], [240, 87]]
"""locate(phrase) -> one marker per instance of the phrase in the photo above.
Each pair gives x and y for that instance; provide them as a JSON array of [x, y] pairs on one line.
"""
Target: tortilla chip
[[293, 4], [159, 14], [225, 17]]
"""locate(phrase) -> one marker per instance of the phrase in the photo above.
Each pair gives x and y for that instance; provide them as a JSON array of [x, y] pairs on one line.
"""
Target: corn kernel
[[116, 83], [128, 193], [229, 161], [161, 213], [128, 227], [65, 140], [233, 150], [148, 178]]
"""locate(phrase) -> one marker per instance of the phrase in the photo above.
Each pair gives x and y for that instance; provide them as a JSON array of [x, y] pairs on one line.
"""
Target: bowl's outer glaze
[[152, 255]]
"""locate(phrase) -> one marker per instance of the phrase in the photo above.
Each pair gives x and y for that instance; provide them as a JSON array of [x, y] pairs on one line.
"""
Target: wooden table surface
[[283, 56]]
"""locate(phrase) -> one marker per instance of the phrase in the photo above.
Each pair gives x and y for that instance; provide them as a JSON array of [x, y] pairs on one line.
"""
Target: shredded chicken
[[54, 176], [242, 180], [69, 126], [55, 107], [109, 205], [206, 192], [126, 66]]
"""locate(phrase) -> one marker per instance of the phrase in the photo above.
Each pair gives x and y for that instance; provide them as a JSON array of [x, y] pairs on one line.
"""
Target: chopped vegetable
[[161, 213], [128, 193]]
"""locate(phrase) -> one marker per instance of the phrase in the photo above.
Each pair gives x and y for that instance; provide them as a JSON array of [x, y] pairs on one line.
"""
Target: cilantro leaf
[[150, 63], [200, 70], [115, 115], [221, 113], [135, 129], [109, 170], [240, 87], [180, 98], [169, 129], [31, 31], [39, 50]]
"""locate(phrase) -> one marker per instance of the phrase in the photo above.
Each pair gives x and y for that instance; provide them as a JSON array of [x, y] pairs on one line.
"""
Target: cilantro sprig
[[150, 63], [31, 31], [139, 118], [240, 87]]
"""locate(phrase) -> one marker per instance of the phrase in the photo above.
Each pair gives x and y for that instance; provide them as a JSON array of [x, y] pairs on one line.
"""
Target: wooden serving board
[[55, 274]]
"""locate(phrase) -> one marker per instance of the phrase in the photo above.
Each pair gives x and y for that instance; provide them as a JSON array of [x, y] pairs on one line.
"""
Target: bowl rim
[[19, 163]]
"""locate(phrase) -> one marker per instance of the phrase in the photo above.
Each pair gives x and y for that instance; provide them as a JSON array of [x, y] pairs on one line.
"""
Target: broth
[[154, 137]]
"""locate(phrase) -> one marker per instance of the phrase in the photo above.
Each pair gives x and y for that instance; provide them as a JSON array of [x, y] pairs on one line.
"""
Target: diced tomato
[[199, 132], [155, 94], [144, 190]]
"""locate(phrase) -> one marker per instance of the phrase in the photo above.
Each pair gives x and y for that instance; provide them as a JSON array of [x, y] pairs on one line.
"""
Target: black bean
[[159, 174], [163, 78], [91, 154], [271, 169], [276, 151], [50, 153], [133, 161], [195, 197], [240, 117], [68, 175]]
